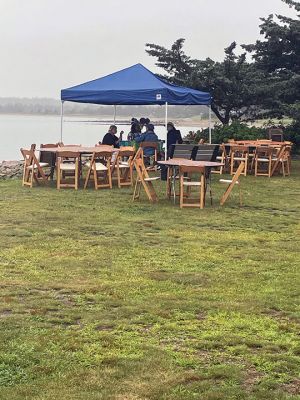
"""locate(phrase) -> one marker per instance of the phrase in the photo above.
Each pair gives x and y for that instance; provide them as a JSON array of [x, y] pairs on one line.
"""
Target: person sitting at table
[[147, 121], [173, 136], [111, 138], [142, 123], [135, 131], [148, 136]]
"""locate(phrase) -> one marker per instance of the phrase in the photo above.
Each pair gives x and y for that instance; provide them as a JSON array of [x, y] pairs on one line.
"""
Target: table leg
[[202, 191], [174, 184]]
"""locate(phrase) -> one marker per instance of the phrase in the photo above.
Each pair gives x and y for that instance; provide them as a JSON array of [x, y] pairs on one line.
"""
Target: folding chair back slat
[[186, 151], [153, 145], [67, 154], [207, 152]]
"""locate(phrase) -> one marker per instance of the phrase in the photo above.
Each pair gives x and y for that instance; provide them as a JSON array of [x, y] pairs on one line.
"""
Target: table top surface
[[80, 149], [189, 163]]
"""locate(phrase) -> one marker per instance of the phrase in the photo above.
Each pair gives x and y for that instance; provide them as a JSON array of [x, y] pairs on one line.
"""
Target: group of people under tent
[[142, 131]]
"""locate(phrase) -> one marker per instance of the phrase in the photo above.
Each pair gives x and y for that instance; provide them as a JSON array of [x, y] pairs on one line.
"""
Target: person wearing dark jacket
[[111, 138], [173, 136]]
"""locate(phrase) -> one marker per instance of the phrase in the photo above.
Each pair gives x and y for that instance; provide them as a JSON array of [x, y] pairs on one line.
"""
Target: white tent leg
[[209, 122], [166, 121], [61, 120], [115, 113]]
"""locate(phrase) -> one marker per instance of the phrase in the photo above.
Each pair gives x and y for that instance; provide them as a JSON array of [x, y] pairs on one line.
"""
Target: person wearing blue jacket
[[148, 136]]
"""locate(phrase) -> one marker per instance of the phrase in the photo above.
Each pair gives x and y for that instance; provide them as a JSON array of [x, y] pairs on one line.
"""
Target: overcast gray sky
[[47, 45]]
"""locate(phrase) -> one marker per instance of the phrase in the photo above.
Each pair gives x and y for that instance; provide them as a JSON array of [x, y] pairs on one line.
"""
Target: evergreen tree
[[278, 54], [237, 87]]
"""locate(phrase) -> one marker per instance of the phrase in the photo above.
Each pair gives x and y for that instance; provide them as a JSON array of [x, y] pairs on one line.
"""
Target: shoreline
[[124, 120]]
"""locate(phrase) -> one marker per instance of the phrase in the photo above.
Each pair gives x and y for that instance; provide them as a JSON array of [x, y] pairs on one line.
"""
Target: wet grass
[[102, 298]]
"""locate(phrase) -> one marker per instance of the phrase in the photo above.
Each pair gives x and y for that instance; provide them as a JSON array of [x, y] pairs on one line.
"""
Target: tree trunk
[[224, 119], [227, 117]]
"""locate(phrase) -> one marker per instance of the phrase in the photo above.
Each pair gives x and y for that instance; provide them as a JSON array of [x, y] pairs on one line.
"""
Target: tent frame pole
[[209, 123], [115, 113], [61, 119], [166, 122]]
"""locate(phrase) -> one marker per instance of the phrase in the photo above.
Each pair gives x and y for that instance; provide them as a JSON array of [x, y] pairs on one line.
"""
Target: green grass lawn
[[102, 298]]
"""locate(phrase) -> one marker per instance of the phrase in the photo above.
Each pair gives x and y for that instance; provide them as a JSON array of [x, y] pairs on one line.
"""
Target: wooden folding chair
[[232, 182], [239, 154], [143, 179], [33, 169], [277, 159], [138, 154], [172, 177], [71, 167], [286, 160], [185, 197], [124, 166], [48, 157], [263, 161], [66, 173], [154, 146], [283, 160], [100, 169], [222, 158]]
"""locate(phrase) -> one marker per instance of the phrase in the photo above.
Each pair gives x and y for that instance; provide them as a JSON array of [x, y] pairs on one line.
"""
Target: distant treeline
[[48, 106]]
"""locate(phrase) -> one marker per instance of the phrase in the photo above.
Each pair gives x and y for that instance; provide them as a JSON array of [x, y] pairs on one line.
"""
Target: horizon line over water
[[19, 131]]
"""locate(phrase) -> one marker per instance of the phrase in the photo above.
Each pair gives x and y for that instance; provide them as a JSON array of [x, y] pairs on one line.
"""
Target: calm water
[[21, 131]]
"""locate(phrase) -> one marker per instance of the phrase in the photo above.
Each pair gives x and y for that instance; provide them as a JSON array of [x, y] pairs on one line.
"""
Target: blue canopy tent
[[135, 85]]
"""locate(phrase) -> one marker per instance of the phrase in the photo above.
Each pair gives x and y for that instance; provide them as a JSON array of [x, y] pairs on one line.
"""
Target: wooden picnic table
[[254, 144], [178, 162], [79, 149]]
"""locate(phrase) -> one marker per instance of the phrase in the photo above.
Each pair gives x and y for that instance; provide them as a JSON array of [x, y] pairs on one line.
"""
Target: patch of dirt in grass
[[252, 378], [104, 328], [66, 324], [5, 313], [180, 278], [148, 225], [191, 378], [205, 357], [51, 310], [129, 397], [201, 316], [275, 313], [66, 300], [292, 387]]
